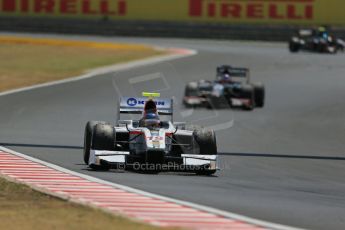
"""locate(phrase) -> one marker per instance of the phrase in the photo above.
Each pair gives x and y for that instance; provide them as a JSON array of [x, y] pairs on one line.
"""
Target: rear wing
[[239, 72], [234, 71], [305, 32], [135, 105]]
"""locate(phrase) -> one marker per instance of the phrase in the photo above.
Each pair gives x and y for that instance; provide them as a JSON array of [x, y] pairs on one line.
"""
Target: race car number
[[156, 144]]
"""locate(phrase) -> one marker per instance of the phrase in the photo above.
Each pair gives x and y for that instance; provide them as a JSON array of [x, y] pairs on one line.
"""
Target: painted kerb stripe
[[119, 199]]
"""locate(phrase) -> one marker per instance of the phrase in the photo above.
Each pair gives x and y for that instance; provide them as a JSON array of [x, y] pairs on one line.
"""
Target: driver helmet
[[151, 120], [226, 77]]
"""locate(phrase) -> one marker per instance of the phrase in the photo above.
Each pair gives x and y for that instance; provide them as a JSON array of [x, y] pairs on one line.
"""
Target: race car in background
[[232, 88], [151, 142], [316, 40]]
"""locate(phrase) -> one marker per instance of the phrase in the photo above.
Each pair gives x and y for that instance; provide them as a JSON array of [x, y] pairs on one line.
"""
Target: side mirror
[[127, 128]]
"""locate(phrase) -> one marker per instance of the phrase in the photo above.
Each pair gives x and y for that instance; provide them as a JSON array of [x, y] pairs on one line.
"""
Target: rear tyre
[[206, 140], [88, 139], [259, 93], [103, 138]]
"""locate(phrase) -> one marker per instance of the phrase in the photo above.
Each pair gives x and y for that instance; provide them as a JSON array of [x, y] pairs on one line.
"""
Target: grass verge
[[26, 62], [22, 208]]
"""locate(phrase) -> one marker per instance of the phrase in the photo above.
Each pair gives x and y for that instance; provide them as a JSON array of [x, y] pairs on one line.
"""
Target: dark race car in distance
[[316, 40], [232, 88]]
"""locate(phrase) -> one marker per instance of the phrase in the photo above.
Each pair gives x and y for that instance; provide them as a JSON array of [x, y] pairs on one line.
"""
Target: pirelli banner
[[211, 11]]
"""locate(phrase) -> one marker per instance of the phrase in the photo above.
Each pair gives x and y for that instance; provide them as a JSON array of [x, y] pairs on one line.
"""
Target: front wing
[[194, 101], [189, 161], [201, 101]]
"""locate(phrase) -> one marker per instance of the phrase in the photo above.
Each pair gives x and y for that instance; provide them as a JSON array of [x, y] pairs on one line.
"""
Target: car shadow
[[287, 156], [41, 146], [263, 155], [142, 172]]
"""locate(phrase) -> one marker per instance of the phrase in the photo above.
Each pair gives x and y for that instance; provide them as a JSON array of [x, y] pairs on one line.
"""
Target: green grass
[[22, 208], [28, 64]]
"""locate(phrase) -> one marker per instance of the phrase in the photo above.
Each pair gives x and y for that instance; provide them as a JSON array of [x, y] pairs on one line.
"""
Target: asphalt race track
[[284, 163]]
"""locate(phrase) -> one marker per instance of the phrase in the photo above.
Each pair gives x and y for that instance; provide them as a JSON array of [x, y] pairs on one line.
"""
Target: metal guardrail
[[152, 29]]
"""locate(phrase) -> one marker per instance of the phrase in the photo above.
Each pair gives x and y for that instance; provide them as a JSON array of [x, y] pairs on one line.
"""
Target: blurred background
[[225, 19]]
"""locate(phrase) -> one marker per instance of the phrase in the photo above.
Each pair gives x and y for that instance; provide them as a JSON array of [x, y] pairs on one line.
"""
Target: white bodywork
[[143, 140], [110, 156]]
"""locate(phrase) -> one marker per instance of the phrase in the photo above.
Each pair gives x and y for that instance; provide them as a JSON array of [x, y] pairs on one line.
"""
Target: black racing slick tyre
[[103, 138], [88, 138], [259, 94], [206, 140], [294, 47]]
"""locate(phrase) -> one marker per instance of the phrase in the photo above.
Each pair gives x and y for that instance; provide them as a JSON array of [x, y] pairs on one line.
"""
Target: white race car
[[150, 142]]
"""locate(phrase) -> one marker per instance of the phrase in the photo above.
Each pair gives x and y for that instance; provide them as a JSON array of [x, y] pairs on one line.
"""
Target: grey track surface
[[284, 163]]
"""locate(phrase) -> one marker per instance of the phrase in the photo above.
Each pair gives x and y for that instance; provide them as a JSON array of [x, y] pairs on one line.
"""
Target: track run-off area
[[282, 164]]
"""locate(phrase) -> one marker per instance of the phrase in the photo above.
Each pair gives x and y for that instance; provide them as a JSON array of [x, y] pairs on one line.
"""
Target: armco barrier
[[153, 29]]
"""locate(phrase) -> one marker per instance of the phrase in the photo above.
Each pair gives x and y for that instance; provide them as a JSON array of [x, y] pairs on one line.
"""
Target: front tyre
[[294, 47], [103, 138], [259, 94], [88, 138]]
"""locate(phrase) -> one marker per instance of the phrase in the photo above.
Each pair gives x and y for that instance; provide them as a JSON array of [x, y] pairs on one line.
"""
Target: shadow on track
[[41, 146], [268, 155]]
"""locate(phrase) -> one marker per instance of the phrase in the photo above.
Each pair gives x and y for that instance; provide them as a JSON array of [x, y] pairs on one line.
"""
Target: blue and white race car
[[150, 142]]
